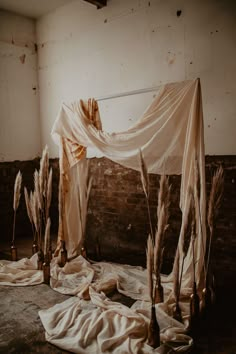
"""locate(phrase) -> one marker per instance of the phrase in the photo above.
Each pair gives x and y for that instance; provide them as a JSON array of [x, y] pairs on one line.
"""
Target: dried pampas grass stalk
[[49, 194], [197, 193], [17, 191], [149, 253], [36, 215], [189, 233], [164, 196], [16, 200], [29, 210], [216, 194], [144, 175], [145, 185], [28, 205], [162, 217], [176, 281], [37, 189], [43, 172], [47, 237]]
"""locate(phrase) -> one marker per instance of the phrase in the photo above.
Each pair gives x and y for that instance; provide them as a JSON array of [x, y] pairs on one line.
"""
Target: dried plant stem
[[193, 241], [176, 284], [209, 254], [14, 227], [203, 249], [16, 201], [149, 218], [149, 253], [180, 278]]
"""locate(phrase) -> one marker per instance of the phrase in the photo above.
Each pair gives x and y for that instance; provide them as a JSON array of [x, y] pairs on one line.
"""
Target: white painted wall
[[19, 103], [133, 44]]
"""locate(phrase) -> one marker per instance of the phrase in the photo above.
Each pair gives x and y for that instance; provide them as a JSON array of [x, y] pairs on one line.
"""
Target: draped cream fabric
[[91, 323], [170, 134], [104, 326], [21, 273]]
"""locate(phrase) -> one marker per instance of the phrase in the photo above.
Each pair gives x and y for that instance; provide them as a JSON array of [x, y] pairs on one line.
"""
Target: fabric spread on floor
[[89, 322]]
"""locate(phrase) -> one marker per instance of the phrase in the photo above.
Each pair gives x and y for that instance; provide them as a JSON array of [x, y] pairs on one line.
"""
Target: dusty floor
[[21, 330]]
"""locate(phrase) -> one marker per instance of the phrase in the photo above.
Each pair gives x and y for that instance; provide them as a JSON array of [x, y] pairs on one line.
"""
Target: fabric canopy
[[170, 135]]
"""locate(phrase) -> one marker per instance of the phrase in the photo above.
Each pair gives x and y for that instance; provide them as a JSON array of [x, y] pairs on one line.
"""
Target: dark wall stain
[[178, 13], [22, 58]]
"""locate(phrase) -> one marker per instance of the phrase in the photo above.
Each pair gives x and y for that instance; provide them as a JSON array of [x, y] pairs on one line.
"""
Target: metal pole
[[128, 93]]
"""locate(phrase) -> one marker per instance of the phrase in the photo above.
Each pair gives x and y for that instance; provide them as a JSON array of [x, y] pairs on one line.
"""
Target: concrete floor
[[21, 330]]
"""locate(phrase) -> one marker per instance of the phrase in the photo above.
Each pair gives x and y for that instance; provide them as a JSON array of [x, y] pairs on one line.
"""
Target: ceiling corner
[[99, 3]]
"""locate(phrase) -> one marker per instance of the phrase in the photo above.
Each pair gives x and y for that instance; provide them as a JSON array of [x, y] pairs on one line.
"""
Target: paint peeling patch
[[178, 13], [22, 58], [170, 58]]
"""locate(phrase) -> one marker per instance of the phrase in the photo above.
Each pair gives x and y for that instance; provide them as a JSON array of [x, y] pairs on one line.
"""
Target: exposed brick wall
[[117, 226]]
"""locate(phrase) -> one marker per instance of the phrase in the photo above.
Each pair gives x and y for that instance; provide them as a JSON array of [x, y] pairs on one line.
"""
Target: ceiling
[[32, 8]]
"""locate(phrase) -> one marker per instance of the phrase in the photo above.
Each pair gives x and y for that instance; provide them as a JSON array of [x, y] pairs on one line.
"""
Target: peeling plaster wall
[[133, 44], [19, 97]]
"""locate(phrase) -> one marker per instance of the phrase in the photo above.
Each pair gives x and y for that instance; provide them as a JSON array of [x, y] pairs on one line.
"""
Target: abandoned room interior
[[117, 176]]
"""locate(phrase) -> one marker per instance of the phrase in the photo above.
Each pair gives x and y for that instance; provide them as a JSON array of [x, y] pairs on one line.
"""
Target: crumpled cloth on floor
[[103, 326], [91, 323], [20, 273]]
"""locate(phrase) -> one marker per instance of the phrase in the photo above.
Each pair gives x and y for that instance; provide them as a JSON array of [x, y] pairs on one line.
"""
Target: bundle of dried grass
[[38, 203], [215, 198], [16, 201]]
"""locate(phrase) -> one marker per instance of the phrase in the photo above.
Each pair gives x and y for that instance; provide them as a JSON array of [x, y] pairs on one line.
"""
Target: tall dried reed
[[145, 185], [16, 201], [162, 224]]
